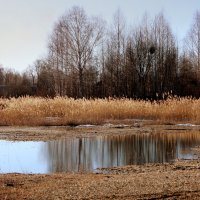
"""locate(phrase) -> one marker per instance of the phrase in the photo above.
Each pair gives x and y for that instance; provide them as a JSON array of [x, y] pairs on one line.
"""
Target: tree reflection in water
[[87, 154]]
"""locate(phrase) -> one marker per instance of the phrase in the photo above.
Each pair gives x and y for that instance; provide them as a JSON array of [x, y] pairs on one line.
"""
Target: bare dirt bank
[[180, 180], [177, 180]]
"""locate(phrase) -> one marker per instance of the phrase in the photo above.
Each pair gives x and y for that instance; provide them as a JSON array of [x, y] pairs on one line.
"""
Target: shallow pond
[[87, 154]]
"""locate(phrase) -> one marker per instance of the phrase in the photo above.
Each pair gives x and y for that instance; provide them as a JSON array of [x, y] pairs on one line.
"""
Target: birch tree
[[76, 38]]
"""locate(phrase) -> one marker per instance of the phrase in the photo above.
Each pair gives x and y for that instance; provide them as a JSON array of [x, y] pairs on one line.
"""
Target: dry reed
[[64, 111]]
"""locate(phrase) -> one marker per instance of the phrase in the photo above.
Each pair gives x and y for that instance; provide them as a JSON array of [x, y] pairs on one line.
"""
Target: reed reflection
[[87, 154]]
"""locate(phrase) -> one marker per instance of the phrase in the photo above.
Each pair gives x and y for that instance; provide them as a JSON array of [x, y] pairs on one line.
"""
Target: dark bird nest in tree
[[152, 50]]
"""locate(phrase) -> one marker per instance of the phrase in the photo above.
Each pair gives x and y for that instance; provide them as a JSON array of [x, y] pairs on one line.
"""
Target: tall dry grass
[[63, 111]]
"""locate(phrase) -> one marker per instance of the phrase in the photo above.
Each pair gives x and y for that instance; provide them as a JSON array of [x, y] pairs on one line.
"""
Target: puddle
[[87, 154]]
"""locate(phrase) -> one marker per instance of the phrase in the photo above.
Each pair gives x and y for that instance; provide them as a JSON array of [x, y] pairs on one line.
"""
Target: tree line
[[89, 58]]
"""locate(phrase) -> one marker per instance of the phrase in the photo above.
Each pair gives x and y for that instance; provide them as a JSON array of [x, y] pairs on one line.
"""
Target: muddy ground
[[112, 127], [176, 180]]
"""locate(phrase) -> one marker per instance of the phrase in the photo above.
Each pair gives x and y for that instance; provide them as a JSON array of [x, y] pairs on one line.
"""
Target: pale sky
[[25, 25]]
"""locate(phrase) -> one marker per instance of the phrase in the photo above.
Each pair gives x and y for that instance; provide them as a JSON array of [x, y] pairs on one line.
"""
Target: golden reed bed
[[64, 111]]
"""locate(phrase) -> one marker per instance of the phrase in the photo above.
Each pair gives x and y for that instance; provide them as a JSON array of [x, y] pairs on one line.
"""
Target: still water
[[87, 154]]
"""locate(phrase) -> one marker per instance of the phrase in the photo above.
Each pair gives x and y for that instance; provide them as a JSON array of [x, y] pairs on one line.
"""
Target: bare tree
[[192, 43], [142, 42], [1, 75], [165, 59], [188, 84], [76, 37], [57, 58], [31, 73], [115, 55]]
